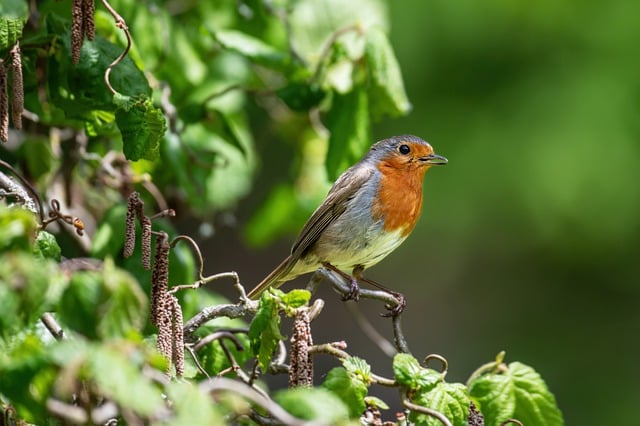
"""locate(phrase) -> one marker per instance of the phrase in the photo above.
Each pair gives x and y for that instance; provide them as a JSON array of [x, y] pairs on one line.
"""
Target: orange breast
[[399, 200]]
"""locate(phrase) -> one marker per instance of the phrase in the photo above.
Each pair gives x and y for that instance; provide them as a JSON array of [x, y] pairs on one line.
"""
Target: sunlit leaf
[[517, 392], [313, 404], [348, 388], [264, 331], [10, 31], [386, 88], [296, 298], [142, 127], [46, 246], [449, 399], [348, 122], [409, 373]]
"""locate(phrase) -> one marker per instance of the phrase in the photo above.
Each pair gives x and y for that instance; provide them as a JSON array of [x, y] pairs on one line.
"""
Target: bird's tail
[[276, 278]]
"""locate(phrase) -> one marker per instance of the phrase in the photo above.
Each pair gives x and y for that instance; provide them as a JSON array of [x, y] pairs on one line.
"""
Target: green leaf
[[117, 371], [252, 48], [17, 229], [264, 331], [296, 298], [517, 392], [103, 304], [27, 377], [142, 127], [109, 237], [374, 401], [386, 88], [348, 122], [313, 404], [10, 31], [47, 247], [348, 388], [301, 96], [449, 399], [28, 287], [409, 373], [358, 368], [80, 90], [191, 406]]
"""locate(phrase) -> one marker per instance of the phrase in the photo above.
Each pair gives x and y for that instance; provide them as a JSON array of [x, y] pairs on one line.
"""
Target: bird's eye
[[404, 149]]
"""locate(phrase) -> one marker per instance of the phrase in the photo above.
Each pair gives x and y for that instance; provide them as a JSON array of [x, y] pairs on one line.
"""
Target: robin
[[370, 210]]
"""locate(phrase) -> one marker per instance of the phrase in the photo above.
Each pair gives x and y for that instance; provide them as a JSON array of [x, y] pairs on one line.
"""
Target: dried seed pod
[[301, 363], [146, 243], [89, 9], [159, 276], [77, 30], [18, 87], [4, 104], [178, 337], [78, 224]]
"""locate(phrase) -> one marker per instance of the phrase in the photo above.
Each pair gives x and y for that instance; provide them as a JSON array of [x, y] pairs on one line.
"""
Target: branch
[[211, 312], [122, 24]]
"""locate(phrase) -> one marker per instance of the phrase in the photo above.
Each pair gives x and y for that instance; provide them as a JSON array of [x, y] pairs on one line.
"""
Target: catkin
[[89, 24], [18, 87], [159, 277], [77, 30], [4, 104], [301, 363], [178, 336], [146, 243]]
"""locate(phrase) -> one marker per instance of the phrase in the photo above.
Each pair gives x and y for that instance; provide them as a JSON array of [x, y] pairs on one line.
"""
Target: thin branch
[[122, 24], [218, 335], [209, 313], [52, 325], [336, 349], [428, 411], [32, 199]]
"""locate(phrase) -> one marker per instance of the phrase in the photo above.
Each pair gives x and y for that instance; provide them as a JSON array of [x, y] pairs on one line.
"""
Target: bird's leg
[[393, 311], [354, 289]]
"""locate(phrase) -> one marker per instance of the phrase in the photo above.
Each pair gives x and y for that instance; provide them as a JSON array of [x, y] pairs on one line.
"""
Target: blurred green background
[[529, 240]]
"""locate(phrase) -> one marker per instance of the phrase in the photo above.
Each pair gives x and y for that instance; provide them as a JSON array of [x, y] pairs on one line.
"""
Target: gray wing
[[333, 206]]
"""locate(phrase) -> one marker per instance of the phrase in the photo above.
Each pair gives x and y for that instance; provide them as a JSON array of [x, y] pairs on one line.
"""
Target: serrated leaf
[[386, 89], [46, 246], [142, 127], [252, 48], [520, 393], [374, 401], [409, 373], [313, 404], [449, 399], [10, 31], [348, 122], [264, 331], [350, 390], [296, 298], [358, 368]]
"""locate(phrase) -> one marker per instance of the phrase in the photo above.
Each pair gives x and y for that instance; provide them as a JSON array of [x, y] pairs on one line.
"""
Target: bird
[[369, 211]]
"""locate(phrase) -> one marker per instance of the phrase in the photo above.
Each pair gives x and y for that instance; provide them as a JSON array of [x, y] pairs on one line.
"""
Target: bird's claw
[[396, 310], [354, 291]]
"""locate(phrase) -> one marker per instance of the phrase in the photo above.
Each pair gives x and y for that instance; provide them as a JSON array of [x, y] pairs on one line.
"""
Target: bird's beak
[[435, 160]]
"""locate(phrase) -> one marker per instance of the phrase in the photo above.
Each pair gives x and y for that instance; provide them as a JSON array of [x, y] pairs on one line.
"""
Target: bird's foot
[[354, 291], [394, 311]]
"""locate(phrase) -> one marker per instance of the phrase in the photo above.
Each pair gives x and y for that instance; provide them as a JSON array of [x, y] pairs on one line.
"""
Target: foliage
[[182, 115]]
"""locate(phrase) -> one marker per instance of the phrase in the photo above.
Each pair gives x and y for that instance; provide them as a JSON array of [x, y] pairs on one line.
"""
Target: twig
[[428, 411], [209, 313], [122, 24], [216, 336], [52, 325], [443, 360], [336, 349], [30, 199]]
